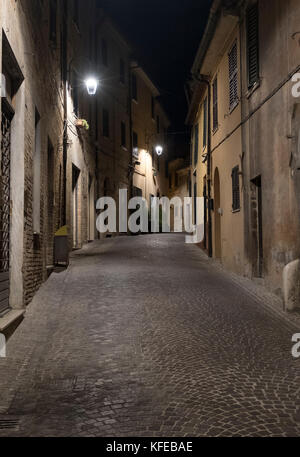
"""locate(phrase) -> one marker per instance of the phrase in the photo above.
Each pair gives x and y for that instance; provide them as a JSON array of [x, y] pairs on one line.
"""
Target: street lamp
[[159, 150], [91, 85]]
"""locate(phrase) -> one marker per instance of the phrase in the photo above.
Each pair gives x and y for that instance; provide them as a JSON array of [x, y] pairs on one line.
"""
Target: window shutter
[[235, 189], [196, 144], [252, 45], [233, 77], [215, 104]]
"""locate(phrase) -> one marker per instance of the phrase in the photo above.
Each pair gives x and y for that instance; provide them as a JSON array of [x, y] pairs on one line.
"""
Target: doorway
[[75, 197], [257, 227], [217, 205], [50, 201]]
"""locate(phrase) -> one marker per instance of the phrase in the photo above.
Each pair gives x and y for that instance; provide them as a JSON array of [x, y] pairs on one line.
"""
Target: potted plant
[[82, 123]]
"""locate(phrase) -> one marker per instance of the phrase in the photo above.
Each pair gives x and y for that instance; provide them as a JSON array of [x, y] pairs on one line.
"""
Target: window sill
[[215, 130], [135, 101], [233, 107], [252, 89], [234, 211]]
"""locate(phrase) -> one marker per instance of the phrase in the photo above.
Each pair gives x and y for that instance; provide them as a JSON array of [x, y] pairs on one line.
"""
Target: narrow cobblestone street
[[143, 336]]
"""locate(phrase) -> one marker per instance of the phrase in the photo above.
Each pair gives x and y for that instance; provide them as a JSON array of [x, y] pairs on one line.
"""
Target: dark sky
[[165, 35]]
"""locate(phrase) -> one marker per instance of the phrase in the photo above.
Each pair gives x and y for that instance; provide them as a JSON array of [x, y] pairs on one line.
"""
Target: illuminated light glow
[[159, 150], [91, 85]]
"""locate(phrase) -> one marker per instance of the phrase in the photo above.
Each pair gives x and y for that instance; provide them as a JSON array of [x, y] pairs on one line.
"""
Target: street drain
[[9, 424]]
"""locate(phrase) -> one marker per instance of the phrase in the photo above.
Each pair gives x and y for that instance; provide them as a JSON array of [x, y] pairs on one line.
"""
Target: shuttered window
[[233, 77], [196, 144], [236, 204], [252, 45], [123, 134], [205, 123], [215, 104]]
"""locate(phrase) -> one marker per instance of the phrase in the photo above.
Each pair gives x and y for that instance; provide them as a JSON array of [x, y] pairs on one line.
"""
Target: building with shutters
[[214, 112], [245, 149], [149, 129]]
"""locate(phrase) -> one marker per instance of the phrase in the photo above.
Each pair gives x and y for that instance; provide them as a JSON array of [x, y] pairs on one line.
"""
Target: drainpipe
[[131, 162], [65, 97]]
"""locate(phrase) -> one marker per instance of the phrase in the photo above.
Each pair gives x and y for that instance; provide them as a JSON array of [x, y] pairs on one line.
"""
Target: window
[[122, 71], [134, 88], [37, 175], [123, 134], [235, 189], [158, 163], [252, 45], [105, 123], [233, 77], [215, 104], [137, 192], [205, 123], [153, 107], [104, 52], [53, 22], [196, 143], [158, 124]]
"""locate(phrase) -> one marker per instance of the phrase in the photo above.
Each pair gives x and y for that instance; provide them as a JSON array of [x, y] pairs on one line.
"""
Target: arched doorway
[[217, 204]]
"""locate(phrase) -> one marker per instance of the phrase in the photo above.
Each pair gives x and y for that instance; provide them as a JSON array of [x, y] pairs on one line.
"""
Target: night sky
[[165, 35]]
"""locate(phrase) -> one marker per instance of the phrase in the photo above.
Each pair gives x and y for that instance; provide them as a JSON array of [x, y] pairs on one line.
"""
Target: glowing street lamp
[[91, 85], [159, 150]]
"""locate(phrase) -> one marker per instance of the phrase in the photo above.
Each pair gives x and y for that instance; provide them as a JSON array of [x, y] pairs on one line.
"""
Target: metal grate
[[4, 207], [9, 424]]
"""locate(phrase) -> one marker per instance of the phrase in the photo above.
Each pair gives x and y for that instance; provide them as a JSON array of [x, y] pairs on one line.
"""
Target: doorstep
[[10, 318]]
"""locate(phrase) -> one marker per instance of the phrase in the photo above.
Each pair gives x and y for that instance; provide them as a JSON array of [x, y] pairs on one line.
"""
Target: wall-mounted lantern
[[159, 150], [91, 85]]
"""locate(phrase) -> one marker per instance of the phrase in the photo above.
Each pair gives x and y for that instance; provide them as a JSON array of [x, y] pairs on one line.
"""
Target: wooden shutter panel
[[233, 77], [252, 45], [235, 189]]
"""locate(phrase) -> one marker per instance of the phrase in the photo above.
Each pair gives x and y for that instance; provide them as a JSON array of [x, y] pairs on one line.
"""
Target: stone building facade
[[179, 172], [40, 144], [61, 148], [245, 136], [149, 129]]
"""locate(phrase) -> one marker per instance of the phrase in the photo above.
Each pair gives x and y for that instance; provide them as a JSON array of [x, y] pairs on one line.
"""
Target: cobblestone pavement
[[144, 336]]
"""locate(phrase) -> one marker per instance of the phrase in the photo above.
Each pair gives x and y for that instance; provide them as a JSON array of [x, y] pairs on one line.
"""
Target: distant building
[[149, 130], [179, 182]]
